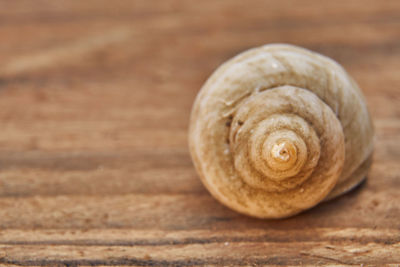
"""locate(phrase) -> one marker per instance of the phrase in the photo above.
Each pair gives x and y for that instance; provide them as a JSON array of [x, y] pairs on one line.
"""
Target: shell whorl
[[277, 129]]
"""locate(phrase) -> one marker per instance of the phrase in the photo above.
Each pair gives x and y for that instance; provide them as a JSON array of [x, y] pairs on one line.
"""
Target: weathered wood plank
[[132, 237], [189, 211], [233, 252], [200, 246], [95, 99]]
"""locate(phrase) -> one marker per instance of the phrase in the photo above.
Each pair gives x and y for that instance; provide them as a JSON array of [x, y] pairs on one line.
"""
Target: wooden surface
[[94, 106]]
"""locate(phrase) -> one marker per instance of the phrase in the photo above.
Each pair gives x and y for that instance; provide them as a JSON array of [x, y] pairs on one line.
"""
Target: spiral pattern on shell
[[278, 129]]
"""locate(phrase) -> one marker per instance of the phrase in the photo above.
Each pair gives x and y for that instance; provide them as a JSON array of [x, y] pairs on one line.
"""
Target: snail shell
[[278, 129]]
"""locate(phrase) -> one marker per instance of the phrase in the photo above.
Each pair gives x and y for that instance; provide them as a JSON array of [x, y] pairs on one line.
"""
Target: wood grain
[[95, 99]]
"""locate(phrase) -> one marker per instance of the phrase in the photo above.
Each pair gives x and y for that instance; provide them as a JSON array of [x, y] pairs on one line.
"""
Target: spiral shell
[[277, 129]]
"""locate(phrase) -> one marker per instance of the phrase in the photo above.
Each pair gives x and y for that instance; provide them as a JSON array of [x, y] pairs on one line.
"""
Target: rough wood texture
[[94, 107]]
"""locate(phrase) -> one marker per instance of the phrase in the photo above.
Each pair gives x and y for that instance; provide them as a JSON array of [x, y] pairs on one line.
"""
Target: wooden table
[[94, 106]]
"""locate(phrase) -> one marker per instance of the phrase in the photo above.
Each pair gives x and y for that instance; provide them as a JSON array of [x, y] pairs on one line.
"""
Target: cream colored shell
[[277, 129]]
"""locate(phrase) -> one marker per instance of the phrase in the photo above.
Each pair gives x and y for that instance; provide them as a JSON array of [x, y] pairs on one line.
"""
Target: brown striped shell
[[278, 129]]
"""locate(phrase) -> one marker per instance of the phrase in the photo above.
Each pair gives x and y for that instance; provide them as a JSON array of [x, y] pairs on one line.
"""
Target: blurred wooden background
[[94, 107]]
